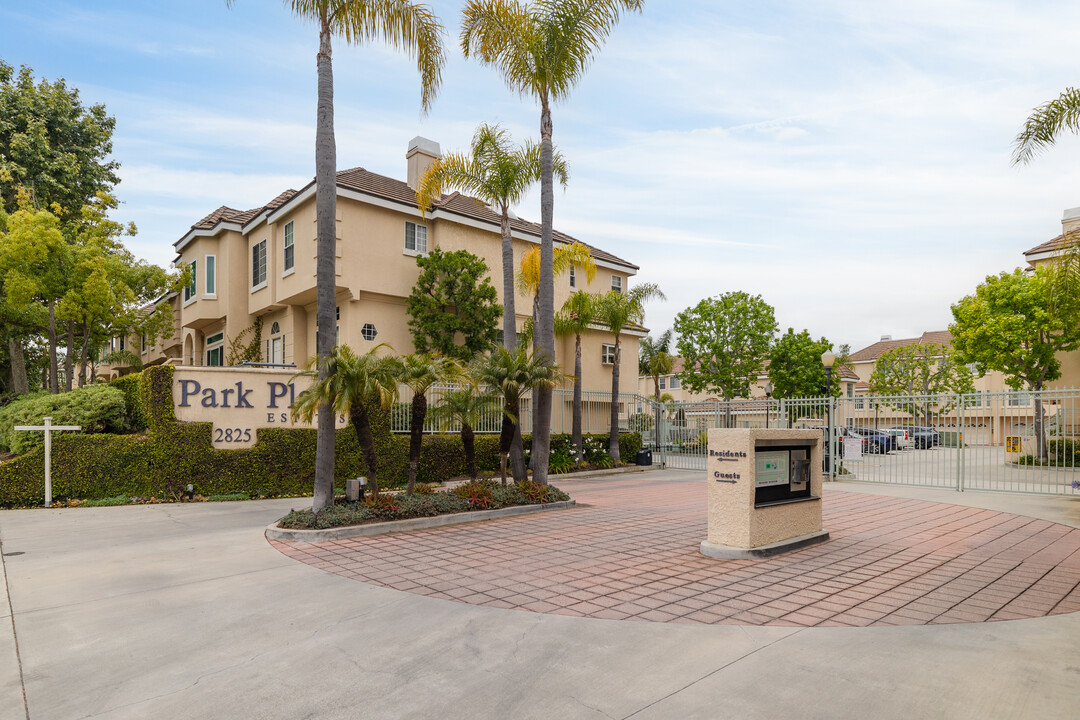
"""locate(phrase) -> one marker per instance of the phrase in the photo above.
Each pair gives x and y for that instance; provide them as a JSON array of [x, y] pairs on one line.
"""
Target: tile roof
[[1053, 245], [363, 181], [228, 214], [873, 352]]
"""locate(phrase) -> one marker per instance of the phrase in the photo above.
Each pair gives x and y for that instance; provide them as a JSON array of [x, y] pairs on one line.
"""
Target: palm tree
[[419, 371], [577, 315], [344, 384], [616, 310], [498, 174], [406, 26], [467, 406], [541, 50], [566, 258], [511, 374], [655, 359]]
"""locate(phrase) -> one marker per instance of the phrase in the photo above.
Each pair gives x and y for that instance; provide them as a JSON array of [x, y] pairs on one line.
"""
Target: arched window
[[275, 329]]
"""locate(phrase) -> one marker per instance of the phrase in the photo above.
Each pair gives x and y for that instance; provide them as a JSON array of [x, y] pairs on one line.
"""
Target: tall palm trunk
[[326, 280], [545, 331], [576, 426], [361, 423], [509, 312], [613, 438], [506, 436], [468, 441], [69, 356], [517, 452], [416, 437]]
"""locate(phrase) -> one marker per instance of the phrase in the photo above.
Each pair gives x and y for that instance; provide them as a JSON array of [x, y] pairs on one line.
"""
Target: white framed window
[[1016, 399], [674, 383], [415, 239], [289, 260], [607, 354], [192, 286], [210, 286], [573, 278], [369, 332], [616, 283], [663, 383], [144, 343], [122, 343], [859, 403], [215, 350], [258, 264]]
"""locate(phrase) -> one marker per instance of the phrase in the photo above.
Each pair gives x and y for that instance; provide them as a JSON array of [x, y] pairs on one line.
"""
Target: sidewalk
[[185, 611]]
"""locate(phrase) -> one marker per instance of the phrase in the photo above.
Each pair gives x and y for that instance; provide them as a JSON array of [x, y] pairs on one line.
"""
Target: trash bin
[[644, 457]]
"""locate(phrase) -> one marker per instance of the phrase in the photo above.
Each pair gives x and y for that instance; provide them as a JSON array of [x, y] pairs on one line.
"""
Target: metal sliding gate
[[975, 441]]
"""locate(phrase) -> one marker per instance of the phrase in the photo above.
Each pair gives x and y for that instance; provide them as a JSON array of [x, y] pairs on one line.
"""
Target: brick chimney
[[422, 152]]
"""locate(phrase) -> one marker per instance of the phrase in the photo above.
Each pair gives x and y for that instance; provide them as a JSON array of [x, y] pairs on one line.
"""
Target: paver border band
[[273, 532]]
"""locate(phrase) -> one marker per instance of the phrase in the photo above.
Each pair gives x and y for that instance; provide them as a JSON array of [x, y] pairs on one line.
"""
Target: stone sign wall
[[238, 401]]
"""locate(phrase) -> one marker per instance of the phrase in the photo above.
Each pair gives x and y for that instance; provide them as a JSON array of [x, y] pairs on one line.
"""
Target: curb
[[602, 473], [273, 532]]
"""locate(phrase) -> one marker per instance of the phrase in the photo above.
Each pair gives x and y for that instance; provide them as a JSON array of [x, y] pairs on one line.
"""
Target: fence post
[[833, 455], [661, 434], [960, 447]]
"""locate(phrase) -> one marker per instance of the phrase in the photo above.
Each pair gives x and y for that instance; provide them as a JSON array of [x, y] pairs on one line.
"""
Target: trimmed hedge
[[170, 455], [96, 408]]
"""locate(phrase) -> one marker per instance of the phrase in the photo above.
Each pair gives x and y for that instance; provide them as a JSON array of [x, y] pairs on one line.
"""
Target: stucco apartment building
[[260, 264]]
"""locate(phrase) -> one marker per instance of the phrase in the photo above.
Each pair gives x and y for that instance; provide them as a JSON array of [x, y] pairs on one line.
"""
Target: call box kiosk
[[764, 492]]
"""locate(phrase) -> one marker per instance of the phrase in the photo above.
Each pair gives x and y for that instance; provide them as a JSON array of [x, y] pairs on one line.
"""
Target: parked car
[[923, 437], [874, 441], [904, 439]]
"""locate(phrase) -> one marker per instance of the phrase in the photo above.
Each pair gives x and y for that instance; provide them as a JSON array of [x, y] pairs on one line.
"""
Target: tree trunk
[[518, 467], [509, 311], [613, 437], [19, 382], [69, 356], [84, 352], [468, 441], [1040, 430], [362, 427], [54, 374], [545, 332], [506, 437], [535, 391], [326, 278], [576, 424], [416, 437]]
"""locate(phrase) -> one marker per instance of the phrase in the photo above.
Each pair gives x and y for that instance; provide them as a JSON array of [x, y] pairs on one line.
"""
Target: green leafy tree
[[419, 371], [453, 296], [499, 174], [467, 407], [406, 26], [922, 379], [511, 374], [578, 313], [1011, 325], [617, 311], [52, 145], [795, 367], [723, 342], [541, 50], [346, 384]]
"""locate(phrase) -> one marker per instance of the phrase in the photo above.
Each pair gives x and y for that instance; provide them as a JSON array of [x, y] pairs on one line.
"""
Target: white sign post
[[48, 427]]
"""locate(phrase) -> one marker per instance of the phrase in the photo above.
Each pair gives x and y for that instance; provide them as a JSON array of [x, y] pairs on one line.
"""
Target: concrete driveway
[[185, 611]]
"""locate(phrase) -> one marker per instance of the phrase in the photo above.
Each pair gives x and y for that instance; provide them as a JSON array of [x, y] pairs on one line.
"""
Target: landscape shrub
[[96, 408], [170, 455], [129, 385]]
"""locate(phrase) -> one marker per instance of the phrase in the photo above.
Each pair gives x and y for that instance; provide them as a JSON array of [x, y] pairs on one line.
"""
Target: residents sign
[[238, 401]]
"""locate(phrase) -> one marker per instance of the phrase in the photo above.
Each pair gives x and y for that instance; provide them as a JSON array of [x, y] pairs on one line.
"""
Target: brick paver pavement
[[630, 551]]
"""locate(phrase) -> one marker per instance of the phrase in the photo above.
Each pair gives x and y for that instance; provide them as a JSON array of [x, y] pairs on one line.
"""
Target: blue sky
[[849, 161]]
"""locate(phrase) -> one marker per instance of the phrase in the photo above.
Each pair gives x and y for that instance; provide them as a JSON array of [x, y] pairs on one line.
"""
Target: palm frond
[[1042, 128], [502, 33]]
